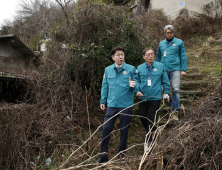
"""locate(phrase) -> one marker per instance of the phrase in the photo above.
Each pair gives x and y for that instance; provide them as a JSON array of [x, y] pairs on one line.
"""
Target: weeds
[[54, 118]]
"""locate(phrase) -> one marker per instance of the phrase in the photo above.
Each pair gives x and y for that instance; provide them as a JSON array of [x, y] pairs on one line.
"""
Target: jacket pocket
[[111, 80], [156, 75]]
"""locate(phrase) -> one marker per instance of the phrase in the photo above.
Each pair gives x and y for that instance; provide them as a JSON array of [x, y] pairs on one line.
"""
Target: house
[[17, 62], [171, 8]]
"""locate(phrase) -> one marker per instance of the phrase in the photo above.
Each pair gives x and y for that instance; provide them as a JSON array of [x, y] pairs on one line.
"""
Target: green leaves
[[96, 30]]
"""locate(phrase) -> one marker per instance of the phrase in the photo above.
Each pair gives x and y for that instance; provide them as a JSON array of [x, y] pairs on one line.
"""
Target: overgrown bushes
[[66, 90], [200, 24], [195, 143], [93, 32]]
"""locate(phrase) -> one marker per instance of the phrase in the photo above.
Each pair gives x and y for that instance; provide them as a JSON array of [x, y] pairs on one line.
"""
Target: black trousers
[[108, 127], [148, 110]]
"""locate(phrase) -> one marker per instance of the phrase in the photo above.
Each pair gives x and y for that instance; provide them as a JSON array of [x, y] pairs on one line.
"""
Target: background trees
[[66, 90]]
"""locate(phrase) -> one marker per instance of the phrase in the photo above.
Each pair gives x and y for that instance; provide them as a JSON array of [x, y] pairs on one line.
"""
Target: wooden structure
[[17, 61]]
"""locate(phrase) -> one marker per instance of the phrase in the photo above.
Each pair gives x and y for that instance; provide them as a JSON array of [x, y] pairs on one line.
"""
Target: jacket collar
[[173, 40], [123, 66], [153, 65]]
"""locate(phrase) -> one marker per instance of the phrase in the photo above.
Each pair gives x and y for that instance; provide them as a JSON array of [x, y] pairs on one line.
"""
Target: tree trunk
[[139, 10]]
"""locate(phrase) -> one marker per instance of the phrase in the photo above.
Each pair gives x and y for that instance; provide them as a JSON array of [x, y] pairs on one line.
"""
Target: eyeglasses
[[118, 55], [169, 33], [149, 54]]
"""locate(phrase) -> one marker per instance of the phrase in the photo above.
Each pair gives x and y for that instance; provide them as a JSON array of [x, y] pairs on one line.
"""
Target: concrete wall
[[171, 8], [11, 58]]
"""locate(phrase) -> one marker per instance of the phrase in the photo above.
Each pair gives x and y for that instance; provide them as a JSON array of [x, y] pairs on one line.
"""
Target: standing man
[[117, 93], [152, 78], [171, 52]]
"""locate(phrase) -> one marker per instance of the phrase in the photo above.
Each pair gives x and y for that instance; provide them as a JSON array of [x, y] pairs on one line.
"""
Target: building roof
[[21, 47], [16, 43]]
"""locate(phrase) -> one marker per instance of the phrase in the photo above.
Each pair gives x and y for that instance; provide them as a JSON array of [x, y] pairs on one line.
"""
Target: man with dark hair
[[117, 94], [171, 52], [152, 79]]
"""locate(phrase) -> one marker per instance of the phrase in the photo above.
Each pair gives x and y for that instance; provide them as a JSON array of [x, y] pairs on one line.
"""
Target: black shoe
[[101, 160]]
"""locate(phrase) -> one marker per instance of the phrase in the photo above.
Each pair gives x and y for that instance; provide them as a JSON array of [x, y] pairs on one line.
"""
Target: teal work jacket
[[115, 91], [176, 58], [158, 78]]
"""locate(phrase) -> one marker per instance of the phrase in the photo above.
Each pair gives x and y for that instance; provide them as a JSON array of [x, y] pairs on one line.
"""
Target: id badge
[[165, 53], [149, 82]]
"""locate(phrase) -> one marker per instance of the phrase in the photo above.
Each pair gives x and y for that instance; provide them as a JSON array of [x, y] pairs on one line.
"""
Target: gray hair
[[171, 27]]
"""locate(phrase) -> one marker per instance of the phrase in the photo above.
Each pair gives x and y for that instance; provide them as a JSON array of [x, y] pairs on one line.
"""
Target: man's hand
[[102, 106], [182, 73], [166, 97], [139, 94], [132, 83]]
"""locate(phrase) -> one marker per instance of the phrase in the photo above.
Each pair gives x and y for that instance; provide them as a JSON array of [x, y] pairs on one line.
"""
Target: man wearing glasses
[[152, 79], [171, 52], [117, 94]]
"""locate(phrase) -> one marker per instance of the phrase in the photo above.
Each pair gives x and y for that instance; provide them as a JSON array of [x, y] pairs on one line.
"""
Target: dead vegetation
[[195, 142], [60, 113]]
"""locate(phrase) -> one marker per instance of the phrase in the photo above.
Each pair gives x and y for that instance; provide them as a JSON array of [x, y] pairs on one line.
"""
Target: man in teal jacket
[[152, 79], [171, 52], [117, 93]]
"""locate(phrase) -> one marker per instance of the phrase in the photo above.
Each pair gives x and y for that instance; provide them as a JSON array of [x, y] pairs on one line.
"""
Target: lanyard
[[171, 42], [168, 44]]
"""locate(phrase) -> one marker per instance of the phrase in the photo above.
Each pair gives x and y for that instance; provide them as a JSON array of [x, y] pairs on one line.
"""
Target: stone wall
[[171, 8], [11, 57], [15, 56]]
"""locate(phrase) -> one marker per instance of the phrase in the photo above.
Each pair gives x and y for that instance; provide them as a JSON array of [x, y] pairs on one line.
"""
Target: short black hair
[[113, 51], [146, 49]]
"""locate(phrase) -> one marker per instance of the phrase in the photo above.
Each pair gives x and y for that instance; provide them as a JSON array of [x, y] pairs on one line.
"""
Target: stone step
[[190, 93], [193, 76], [183, 101], [162, 118], [166, 109], [216, 42], [193, 70], [187, 102], [188, 85], [218, 36]]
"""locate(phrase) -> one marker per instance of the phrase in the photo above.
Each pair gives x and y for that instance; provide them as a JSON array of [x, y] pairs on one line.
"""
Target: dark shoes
[[101, 160], [106, 159]]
